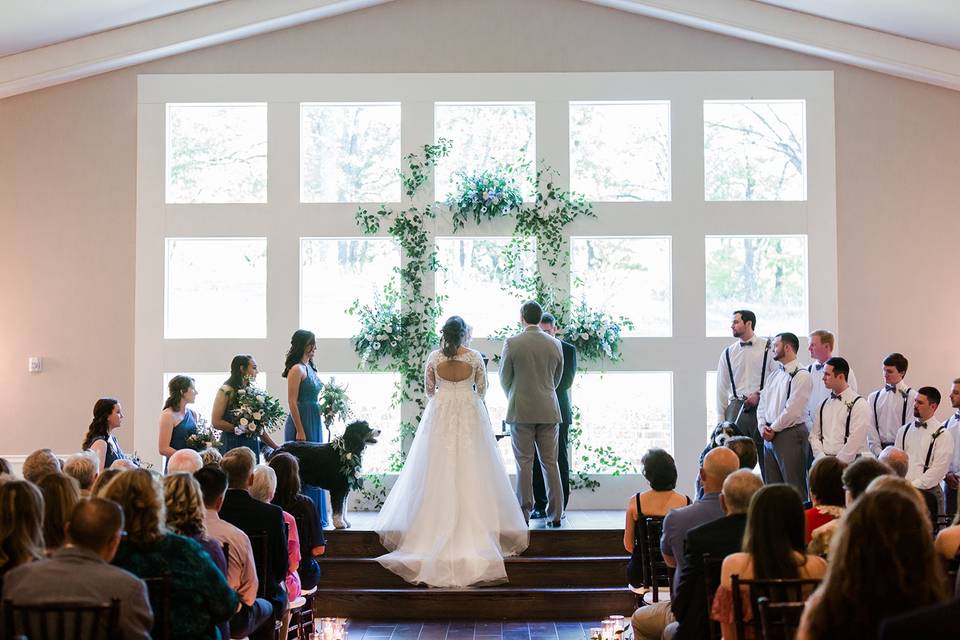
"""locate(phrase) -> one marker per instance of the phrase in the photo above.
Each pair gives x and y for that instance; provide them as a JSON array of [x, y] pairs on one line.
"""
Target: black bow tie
[[749, 343], [834, 396], [818, 366], [957, 415], [921, 425], [890, 387]]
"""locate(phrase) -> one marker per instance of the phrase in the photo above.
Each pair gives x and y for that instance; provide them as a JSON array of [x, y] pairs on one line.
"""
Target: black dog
[[327, 465]]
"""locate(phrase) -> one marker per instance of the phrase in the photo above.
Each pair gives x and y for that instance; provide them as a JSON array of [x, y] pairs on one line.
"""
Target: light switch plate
[[34, 364]]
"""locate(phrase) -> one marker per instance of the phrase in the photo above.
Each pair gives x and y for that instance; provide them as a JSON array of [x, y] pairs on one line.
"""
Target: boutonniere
[[936, 434], [349, 464], [849, 406]]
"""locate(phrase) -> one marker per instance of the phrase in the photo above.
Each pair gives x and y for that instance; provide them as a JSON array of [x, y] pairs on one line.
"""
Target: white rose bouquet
[[206, 437], [256, 412]]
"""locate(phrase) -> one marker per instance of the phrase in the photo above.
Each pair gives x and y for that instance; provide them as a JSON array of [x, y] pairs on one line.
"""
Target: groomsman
[[952, 479], [782, 414], [890, 405], [929, 446], [821, 350], [743, 370], [841, 422], [549, 325]]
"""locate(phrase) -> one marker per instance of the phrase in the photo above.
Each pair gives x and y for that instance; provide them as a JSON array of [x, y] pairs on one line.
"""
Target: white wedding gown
[[452, 515]]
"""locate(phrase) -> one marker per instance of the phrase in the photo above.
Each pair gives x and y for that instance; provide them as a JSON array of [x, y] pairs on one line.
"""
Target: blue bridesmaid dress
[[312, 427], [186, 428], [231, 440]]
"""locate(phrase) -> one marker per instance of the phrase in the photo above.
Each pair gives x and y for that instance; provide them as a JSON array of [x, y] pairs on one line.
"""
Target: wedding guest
[[5, 467], [264, 488], [929, 446], [896, 459], [103, 480], [856, 478], [211, 456], [200, 598], [84, 468], [826, 494], [890, 406], [821, 348], [742, 373], [107, 418], [883, 554], [243, 371], [660, 471], [841, 422], [951, 480], [184, 461], [288, 497], [185, 515], [61, 493], [80, 571], [38, 464], [782, 414], [303, 387], [745, 449], [124, 464], [773, 548], [947, 544], [177, 421], [21, 525]]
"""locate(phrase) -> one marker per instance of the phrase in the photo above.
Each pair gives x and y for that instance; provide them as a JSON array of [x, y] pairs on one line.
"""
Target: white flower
[[238, 431], [244, 422], [349, 456], [382, 336], [388, 329], [393, 343], [376, 345], [257, 415], [585, 335]]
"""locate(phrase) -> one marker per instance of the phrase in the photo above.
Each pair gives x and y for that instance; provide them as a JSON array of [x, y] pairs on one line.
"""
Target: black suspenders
[[933, 441], [790, 382], [846, 430], [763, 369], [733, 382], [903, 414]]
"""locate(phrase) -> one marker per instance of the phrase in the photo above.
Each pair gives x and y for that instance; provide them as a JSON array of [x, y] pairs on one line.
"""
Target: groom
[[530, 370]]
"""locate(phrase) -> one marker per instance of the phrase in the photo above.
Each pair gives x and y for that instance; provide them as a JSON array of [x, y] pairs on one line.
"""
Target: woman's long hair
[[21, 524], [775, 532], [61, 493], [184, 502], [882, 553], [141, 498], [452, 335], [98, 428], [287, 469], [177, 386], [238, 367], [299, 341]]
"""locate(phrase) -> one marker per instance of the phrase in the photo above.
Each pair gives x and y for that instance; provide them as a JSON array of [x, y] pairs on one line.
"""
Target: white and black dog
[[321, 465]]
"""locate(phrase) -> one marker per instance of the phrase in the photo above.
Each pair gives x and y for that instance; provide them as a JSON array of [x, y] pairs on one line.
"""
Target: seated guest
[[186, 515], [254, 612], [80, 572], [826, 493], [719, 538], [660, 470], [883, 555], [200, 598], [650, 621], [84, 468], [264, 487], [898, 485], [301, 507], [124, 464], [856, 478], [107, 418], [21, 525], [257, 518], [929, 623], [947, 544], [930, 448], [60, 495], [38, 464], [184, 461], [746, 450], [102, 481], [211, 456], [896, 459], [5, 467]]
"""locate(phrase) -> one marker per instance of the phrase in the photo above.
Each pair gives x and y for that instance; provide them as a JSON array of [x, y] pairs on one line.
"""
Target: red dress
[[819, 515]]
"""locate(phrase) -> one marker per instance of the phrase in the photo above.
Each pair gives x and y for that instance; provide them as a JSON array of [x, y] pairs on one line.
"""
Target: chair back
[[781, 590], [779, 620], [261, 560], [658, 573], [159, 589], [941, 522], [711, 580], [62, 621]]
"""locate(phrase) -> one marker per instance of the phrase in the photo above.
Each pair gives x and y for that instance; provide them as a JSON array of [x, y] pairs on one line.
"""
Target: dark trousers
[[746, 420], [539, 489], [253, 621], [951, 498]]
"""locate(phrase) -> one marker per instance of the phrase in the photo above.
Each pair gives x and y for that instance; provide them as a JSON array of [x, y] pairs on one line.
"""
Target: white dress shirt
[[893, 406], [915, 440], [819, 393], [746, 359], [783, 403], [828, 438], [953, 426]]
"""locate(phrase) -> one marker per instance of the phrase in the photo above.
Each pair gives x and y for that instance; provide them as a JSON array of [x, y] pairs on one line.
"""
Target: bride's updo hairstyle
[[452, 335]]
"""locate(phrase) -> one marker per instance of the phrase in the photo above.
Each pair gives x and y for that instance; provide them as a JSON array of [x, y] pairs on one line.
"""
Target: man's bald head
[[896, 459], [738, 489], [717, 465], [95, 524], [184, 461]]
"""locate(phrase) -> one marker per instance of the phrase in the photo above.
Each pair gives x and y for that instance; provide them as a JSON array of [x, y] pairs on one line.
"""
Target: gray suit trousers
[[786, 458], [541, 439]]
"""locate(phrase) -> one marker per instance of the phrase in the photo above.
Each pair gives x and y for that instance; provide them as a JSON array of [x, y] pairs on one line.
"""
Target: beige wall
[[68, 172]]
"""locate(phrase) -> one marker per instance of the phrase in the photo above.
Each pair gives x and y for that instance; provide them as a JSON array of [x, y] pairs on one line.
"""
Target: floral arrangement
[[349, 464], [484, 196], [256, 411], [334, 403], [595, 334], [380, 337], [205, 437]]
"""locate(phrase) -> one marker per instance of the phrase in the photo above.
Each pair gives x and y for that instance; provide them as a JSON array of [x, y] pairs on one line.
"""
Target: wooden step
[[354, 543], [489, 603], [524, 571]]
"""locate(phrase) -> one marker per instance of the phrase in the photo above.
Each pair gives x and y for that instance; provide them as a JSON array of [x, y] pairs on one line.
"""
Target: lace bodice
[[478, 380]]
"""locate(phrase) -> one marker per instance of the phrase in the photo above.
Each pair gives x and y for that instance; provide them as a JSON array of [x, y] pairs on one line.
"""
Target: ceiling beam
[[805, 33], [198, 28]]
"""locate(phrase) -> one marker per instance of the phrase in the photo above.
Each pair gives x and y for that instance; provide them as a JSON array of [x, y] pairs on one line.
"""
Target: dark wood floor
[[466, 630], [599, 519]]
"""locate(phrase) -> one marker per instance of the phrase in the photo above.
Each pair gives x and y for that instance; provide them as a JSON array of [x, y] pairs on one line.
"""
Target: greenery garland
[[349, 463]]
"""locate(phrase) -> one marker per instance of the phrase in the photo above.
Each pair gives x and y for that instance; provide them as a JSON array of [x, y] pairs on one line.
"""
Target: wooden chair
[[301, 622], [711, 580], [779, 620], [941, 522], [159, 589], [775, 591], [657, 572], [62, 621]]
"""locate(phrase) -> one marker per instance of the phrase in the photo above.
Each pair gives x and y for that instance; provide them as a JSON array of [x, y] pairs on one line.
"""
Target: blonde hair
[[100, 484], [211, 456], [61, 493], [141, 497], [825, 336], [184, 502], [264, 483], [21, 523], [83, 468], [40, 463]]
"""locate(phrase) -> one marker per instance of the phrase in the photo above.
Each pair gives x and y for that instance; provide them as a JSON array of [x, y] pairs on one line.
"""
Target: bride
[[452, 515]]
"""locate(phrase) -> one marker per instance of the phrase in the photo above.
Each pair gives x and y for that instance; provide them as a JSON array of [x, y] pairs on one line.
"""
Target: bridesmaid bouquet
[[256, 412], [206, 437], [334, 403]]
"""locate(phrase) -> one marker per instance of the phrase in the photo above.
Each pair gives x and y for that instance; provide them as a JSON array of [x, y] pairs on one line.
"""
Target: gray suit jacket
[[531, 366], [75, 574]]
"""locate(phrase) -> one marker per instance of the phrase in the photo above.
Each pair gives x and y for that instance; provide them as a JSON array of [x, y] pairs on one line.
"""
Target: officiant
[[549, 325]]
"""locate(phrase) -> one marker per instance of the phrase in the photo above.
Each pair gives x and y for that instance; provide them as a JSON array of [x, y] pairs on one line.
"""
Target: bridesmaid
[[177, 422], [303, 387], [107, 417], [243, 369]]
